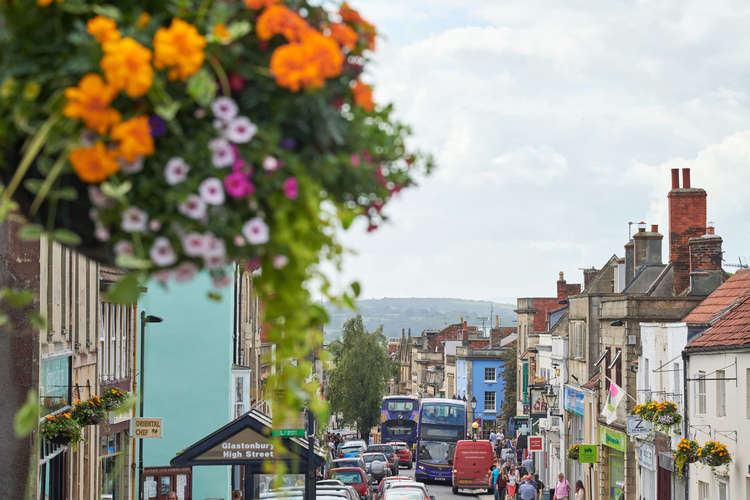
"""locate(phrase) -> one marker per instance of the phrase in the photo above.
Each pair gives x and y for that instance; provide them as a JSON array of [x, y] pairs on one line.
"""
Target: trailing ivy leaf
[[125, 291], [168, 110], [67, 237], [202, 87], [18, 298], [27, 417], [116, 190], [132, 262], [31, 232], [37, 320]]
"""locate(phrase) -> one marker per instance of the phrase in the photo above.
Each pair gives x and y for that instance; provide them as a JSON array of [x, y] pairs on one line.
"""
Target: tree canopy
[[508, 408], [359, 379]]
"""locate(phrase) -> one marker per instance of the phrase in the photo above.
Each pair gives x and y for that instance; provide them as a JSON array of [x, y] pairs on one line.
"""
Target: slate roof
[[644, 280], [731, 291], [731, 330]]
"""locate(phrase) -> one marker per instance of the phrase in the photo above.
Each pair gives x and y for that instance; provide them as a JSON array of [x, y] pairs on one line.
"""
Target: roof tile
[[732, 290], [730, 330]]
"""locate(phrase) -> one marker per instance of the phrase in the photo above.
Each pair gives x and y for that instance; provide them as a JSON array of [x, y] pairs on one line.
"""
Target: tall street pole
[[144, 319]]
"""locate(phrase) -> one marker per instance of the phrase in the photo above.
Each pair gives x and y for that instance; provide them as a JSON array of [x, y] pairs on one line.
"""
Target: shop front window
[[113, 459]]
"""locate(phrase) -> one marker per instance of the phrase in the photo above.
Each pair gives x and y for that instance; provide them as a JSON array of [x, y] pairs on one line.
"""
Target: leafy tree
[[508, 408], [360, 376]]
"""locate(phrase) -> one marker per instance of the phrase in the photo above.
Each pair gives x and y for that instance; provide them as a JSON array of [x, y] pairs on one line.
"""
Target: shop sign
[[573, 401], [536, 443], [141, 428], [246, 445], [646, 455], [588, 453], [637, 426], [666, 460], [538, 403], [612, 438]]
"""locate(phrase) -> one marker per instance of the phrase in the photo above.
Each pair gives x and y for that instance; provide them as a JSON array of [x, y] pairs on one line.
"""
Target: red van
[[471, 465]]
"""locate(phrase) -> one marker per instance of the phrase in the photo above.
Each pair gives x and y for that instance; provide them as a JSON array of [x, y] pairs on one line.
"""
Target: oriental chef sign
[[246, 445]]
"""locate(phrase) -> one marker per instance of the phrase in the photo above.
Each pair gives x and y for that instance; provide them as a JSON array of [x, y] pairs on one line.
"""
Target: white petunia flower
[[123, 247], [212, 191], [131, 167], [185, 272], [176, 171], [193, 207], [214, 246], [222, 154], [255, 231], [194, 244], [161, 252], [101, 233], [240, 130], [224, 108], [280, 261], [270, 164], [134, 220]]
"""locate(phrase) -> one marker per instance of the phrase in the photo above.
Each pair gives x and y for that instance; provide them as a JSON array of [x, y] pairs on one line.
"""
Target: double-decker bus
[[398, 420], [442, 423]]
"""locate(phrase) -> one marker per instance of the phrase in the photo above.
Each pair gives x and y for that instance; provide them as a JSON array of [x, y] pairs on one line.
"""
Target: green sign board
[[613, 439], [588, 453], [288, 432]]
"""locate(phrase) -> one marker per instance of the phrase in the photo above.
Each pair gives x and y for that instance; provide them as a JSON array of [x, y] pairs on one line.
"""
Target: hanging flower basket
[[113, 398], [687, 452], [573, 452], [663, 414], [198, 134], [715, 454], [61, 429], [89, 412]]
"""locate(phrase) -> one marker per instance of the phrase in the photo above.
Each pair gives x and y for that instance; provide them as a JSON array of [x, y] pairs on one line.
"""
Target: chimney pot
[[710, 230], [641, 227], [686, 178], [675, 178], [654, 228]]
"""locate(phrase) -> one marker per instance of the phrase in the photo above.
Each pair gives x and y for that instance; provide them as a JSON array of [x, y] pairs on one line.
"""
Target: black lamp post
[[473, 407], [144, 319]]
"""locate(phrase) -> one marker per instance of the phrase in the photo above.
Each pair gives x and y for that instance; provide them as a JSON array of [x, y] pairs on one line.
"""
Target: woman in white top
[[580, 491]]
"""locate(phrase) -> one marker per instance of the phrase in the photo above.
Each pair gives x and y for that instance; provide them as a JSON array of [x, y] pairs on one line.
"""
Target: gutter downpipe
[[686, 428]]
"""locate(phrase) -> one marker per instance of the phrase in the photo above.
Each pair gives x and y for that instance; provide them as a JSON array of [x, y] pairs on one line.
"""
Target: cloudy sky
[[553, 124]]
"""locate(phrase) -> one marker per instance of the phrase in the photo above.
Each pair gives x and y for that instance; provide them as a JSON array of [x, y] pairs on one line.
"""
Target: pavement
[[443, 491]]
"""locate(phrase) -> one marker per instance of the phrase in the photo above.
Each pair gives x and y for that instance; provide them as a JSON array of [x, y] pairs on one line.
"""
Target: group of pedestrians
[[514, 483]]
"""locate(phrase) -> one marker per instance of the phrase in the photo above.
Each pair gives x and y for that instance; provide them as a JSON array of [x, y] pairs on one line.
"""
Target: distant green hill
[[419, 314]]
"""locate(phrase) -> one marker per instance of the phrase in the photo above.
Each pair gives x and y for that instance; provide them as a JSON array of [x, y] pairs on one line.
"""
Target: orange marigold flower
[[280, 20], [143, 20], [324, 52], [135, 138], [93, 164], [127, 65], [90, 101], [363, 96], [45, 3], [293, 69], [221, 32], [259, 4], [103, 29], [352, 16], [344, 35], [180, 47]]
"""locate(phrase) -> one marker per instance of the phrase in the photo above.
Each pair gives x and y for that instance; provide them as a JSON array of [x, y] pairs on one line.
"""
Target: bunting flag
[[614, 397]]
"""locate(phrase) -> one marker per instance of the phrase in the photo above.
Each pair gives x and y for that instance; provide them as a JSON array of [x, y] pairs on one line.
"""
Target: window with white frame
[[703, 491], [577, 345], [115, 341], [721, 394], [240, 392], [489, 375], [489, 401], [700, 405], [722, 485]]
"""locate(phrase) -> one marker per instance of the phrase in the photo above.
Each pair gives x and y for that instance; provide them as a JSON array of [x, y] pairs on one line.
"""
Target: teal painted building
[[188, 374]]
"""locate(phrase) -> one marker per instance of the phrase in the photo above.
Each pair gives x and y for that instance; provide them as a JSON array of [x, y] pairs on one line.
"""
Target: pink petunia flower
[[224, 108], [131, 167], [193, 207], [161, 252], [222, 154], [238, 185], [291, 188], [222, 281], [354, 160], [240, 130], [123, 247], [134, 220], [280, 261], [176, 171], [270, 163], [255, 231], [194, 244], [212, 191], [98, 198]]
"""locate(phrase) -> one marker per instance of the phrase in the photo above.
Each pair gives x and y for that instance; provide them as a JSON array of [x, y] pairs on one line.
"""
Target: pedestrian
[[580, 490], [172, 495], [512, 482], [371, 440], [528, 464], [499, 450], [494, 473], [562, 488], [493, 436], [236, 495], [501, 484], [527, 491], [539, 485], [501, 434]]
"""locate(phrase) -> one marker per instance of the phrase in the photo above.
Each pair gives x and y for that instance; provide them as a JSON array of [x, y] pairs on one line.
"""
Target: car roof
[[345, 469], [399, 443], [371, 453], [399, 493], [331, 482], [404, 484]]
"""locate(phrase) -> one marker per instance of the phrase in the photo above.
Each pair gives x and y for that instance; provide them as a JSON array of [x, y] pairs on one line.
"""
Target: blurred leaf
[[6, 206], [67, 193], [33, 185], [27, 417], [348, 301], [132, 262], [202, 87], [18, 298], [125, 291], [3, 318], [37, 320], [31, 232], [116, 190], [214, 296], [168, 110], [109, 11], [356, 289], [67, 237]]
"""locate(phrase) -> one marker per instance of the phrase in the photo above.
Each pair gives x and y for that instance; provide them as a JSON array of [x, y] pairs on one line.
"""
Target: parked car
[[386, 480], [471, 465], [342, 489], [376, 466], [329, 482], [403, 452], [406, 494], [354, 477], [357, 461], [352, 450], [389, 453], [355, 442]]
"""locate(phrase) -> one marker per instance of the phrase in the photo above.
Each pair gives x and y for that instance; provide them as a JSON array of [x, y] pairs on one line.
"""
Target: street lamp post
[[144, 319], [474, 425]]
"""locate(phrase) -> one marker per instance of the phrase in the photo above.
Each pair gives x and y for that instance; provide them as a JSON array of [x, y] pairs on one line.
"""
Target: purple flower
[[288, 143], [161, 252], [212, 191], [176, 171], [255, 231], [238, 184], [193, 207], [291, 188], [157, 125]]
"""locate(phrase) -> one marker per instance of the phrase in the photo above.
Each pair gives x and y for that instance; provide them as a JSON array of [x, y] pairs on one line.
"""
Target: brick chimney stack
[[562, 289], [687, 219], [705, 263], [647, 246]]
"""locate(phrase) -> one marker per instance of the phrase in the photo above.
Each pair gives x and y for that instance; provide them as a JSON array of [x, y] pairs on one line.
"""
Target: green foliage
[[358, 381], [510, 369], [27, 417]]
